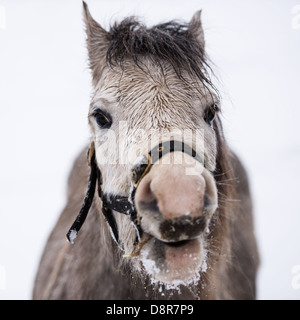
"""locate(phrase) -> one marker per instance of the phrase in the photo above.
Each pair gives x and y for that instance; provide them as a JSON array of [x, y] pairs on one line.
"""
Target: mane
[[172, 41]]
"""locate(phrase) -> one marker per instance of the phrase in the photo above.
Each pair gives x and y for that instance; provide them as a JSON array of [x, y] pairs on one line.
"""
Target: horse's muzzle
[[173, 206]]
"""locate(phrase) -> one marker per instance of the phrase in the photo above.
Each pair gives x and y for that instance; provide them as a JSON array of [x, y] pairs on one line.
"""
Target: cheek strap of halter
[[88, 200], [119, 203]]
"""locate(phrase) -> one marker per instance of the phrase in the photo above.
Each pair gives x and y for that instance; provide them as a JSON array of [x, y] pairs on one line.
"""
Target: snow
[[72, 236], [45, 93], [151, 268]]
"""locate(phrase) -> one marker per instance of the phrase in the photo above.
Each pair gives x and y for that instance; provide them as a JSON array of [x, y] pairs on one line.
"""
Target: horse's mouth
[[176, 244], [173, 262]]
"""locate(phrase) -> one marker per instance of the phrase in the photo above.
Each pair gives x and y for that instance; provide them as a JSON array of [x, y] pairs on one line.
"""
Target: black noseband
[[123, 204]]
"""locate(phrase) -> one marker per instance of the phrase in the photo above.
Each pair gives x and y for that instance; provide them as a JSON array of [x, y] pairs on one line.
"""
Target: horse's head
[[152, 86]]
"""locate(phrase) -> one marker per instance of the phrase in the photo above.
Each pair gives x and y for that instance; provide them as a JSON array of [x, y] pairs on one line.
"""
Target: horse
[[167, 210]]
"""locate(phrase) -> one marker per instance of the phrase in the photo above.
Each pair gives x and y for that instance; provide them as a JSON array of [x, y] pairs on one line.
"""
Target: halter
[[118, 203]]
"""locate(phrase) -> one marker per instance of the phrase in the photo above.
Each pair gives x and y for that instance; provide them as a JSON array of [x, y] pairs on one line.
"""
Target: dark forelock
[[174, 42]]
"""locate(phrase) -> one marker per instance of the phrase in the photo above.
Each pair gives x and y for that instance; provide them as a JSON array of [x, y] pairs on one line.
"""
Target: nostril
[[150, 207], [177, 244], [206, 201], [209, 203], [144, 192]]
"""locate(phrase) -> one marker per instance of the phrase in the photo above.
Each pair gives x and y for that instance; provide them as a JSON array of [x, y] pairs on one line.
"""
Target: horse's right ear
[[97, 43], [196, 28]]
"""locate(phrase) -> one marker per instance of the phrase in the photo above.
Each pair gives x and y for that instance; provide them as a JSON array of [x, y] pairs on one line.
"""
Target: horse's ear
[[97, 43], [195, 27]]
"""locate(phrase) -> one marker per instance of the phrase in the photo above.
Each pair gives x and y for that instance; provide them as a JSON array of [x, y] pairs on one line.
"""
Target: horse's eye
[[102, 118], [210, 113]]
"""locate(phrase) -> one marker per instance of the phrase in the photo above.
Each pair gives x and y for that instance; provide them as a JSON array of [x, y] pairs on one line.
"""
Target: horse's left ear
[[195, 26]]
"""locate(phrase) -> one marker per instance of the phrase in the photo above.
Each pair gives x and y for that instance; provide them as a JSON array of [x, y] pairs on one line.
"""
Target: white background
[[44, 96]]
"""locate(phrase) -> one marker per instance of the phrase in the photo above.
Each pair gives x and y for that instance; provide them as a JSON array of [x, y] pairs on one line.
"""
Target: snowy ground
[[44, 96]]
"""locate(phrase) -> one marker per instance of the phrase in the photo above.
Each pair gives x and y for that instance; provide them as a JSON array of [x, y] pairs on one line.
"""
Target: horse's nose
[[174, 206]]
